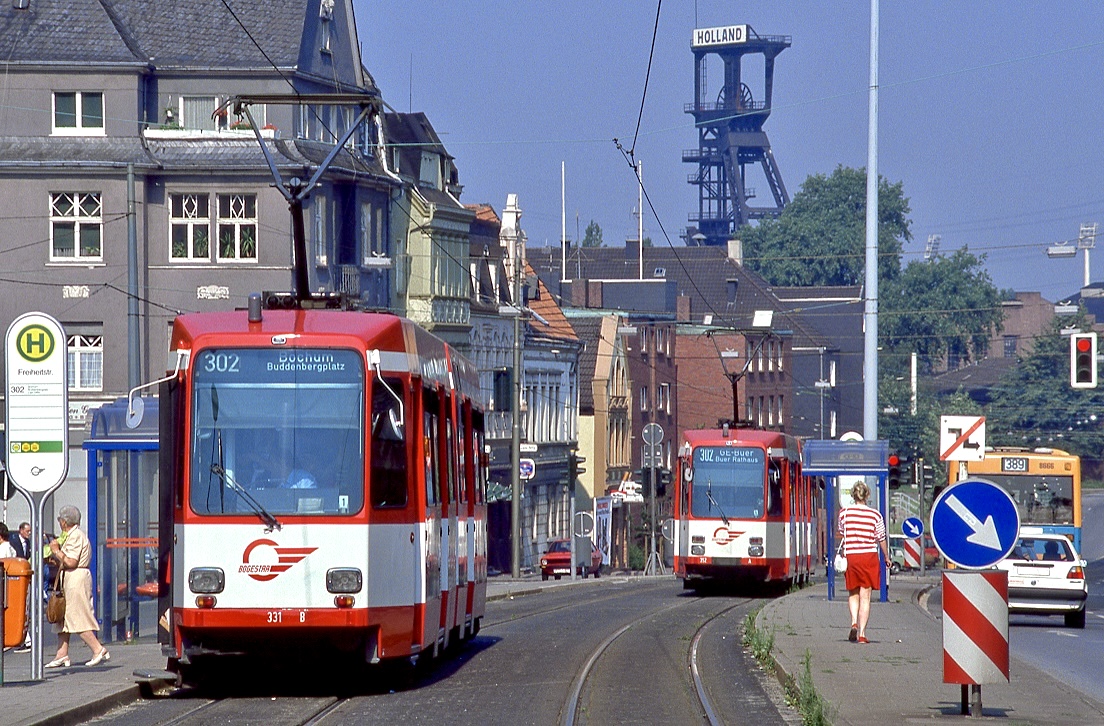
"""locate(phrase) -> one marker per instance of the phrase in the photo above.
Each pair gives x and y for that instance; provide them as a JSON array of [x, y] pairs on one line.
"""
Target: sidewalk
[[898, 676], [77, 694]]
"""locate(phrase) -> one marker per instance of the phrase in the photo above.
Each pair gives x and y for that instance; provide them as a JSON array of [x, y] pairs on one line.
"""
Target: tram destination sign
[[36, 407]]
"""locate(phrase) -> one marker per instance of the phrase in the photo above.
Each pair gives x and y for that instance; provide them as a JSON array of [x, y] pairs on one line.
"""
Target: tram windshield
[[728, 482], [277, 432]]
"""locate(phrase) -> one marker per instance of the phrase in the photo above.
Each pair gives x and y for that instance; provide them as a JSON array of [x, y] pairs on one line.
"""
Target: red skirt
[[863, 570]]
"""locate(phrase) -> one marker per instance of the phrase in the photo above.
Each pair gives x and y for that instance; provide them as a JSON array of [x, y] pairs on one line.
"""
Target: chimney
[[682, 304], [632, 249], [736, 251]]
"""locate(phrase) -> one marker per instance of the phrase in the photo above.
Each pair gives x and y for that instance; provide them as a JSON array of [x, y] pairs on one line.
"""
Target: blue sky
[[990, 113]]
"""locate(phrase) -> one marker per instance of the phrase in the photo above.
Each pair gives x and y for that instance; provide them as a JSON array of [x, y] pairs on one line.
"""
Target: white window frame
[[325, 19], [191, 220], [81, 349], [76, 201], [643, 398], [78, 128], [665, 397], [321, 226], [236, 219], [218, 123]]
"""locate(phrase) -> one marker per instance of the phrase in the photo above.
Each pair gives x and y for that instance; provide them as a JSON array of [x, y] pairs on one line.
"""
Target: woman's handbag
[[55, 604], [840, 562]]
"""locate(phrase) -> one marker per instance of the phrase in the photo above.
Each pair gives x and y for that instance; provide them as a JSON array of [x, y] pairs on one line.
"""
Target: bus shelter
[[843, 464], [122, 518]]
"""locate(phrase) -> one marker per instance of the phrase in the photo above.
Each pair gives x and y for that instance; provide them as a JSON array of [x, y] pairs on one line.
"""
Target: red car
[[556, 562]]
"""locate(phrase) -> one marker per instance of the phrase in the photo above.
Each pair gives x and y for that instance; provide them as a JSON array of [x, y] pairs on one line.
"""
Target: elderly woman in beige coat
[[74, 556]]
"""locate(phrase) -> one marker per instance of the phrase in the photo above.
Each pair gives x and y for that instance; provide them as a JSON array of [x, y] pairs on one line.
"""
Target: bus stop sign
[[974, 523], [36, 410]]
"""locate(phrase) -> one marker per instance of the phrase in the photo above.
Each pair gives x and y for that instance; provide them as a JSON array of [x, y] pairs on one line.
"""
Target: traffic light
[[662, 482], [1083, 360], [893, 477], [927, 475], [573, 466]]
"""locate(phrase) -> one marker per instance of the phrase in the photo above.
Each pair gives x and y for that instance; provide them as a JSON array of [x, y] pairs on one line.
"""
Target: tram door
[[432, 542]]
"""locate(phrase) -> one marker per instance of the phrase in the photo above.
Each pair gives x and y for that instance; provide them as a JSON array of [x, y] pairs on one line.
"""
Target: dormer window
[[660, 272], [325, 17]]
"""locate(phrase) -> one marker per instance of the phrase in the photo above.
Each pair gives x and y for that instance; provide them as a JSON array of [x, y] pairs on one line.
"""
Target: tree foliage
[[593, 237], [947, 306], [820, 237], [1034, 404]]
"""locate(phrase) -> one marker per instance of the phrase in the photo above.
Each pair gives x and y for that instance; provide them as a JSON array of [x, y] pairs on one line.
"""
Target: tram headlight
[[343, 579], [755, 547], [697, 549], [206, 579]]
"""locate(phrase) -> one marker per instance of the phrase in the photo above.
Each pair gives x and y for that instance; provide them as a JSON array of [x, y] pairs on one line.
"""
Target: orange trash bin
[[17, 581]]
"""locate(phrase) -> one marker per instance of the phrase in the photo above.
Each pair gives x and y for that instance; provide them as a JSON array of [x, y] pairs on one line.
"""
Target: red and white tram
[[742, 509], [323, 483]]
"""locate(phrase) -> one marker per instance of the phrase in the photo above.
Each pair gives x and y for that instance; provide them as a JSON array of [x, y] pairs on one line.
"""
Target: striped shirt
[[861, 528]]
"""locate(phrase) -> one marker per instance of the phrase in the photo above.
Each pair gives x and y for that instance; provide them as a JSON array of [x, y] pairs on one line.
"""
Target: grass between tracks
[[801, 694]]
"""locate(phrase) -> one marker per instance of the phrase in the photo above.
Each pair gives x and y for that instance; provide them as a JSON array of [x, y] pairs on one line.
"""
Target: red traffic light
[[894, 460], [1084, 345]]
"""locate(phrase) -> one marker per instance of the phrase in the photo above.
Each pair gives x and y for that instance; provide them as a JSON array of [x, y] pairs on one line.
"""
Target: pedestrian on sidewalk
[[862, 531], [73, 558], [6, 548]]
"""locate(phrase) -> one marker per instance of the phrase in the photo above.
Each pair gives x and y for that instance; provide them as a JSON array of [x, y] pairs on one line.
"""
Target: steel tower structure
[[730, 135]]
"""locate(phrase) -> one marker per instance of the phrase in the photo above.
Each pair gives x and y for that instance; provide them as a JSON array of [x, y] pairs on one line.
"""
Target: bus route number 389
[[276, 617], [1016, 464]]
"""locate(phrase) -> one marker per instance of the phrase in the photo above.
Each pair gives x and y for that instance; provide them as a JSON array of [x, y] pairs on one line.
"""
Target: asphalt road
[[1075, 656], [615, 650]]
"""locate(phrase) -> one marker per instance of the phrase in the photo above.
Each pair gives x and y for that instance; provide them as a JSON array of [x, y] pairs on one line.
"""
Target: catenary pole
[[870, 314]]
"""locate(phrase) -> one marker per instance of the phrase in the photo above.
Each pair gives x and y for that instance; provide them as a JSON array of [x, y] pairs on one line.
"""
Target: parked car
[[897, 553], [556, 562], [1046, 576]]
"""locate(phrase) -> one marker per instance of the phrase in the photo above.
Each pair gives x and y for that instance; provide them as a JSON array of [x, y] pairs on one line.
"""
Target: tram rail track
[[570, 712]]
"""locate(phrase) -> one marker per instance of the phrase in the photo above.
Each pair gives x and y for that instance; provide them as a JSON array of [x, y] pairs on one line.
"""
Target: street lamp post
[[734, 377]]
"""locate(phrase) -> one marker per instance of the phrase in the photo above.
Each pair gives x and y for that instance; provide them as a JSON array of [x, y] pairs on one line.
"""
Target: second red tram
[[743, 510], [323, 479]]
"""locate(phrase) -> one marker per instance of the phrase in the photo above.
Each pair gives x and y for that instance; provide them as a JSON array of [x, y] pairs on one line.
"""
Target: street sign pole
[[652, 435]]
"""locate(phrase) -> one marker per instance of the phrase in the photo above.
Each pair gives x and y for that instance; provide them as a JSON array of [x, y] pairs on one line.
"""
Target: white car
[[1046, 576]]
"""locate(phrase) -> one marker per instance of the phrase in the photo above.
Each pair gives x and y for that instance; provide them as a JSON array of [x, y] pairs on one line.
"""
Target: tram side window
[[429, 430], [463, 443], [478, 462], [389, 462]]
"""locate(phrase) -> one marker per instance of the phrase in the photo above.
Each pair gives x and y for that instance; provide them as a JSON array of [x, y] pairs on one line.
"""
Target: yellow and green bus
[[1044, 483]]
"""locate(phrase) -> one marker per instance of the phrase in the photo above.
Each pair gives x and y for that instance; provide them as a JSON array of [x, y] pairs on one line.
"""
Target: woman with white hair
[[74, 555]]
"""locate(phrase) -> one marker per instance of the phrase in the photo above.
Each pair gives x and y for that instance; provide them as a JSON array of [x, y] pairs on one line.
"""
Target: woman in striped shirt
[[862, 531]]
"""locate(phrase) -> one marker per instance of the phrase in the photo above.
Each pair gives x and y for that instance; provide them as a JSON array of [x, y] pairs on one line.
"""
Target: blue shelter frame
[[844, 461], [122, 516]]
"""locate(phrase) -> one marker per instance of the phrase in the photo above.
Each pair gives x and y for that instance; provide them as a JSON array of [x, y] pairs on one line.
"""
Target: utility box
[[17, 581]]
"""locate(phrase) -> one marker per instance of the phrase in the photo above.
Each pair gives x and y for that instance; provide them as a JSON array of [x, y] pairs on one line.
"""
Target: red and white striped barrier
[[911, 551], [975, 627]]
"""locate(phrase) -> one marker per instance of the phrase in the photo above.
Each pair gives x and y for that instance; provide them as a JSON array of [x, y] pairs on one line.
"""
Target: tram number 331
[[277, 616]]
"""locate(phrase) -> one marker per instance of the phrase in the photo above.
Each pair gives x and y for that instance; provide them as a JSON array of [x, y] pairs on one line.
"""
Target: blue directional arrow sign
[[974, 523], [912, 527]]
